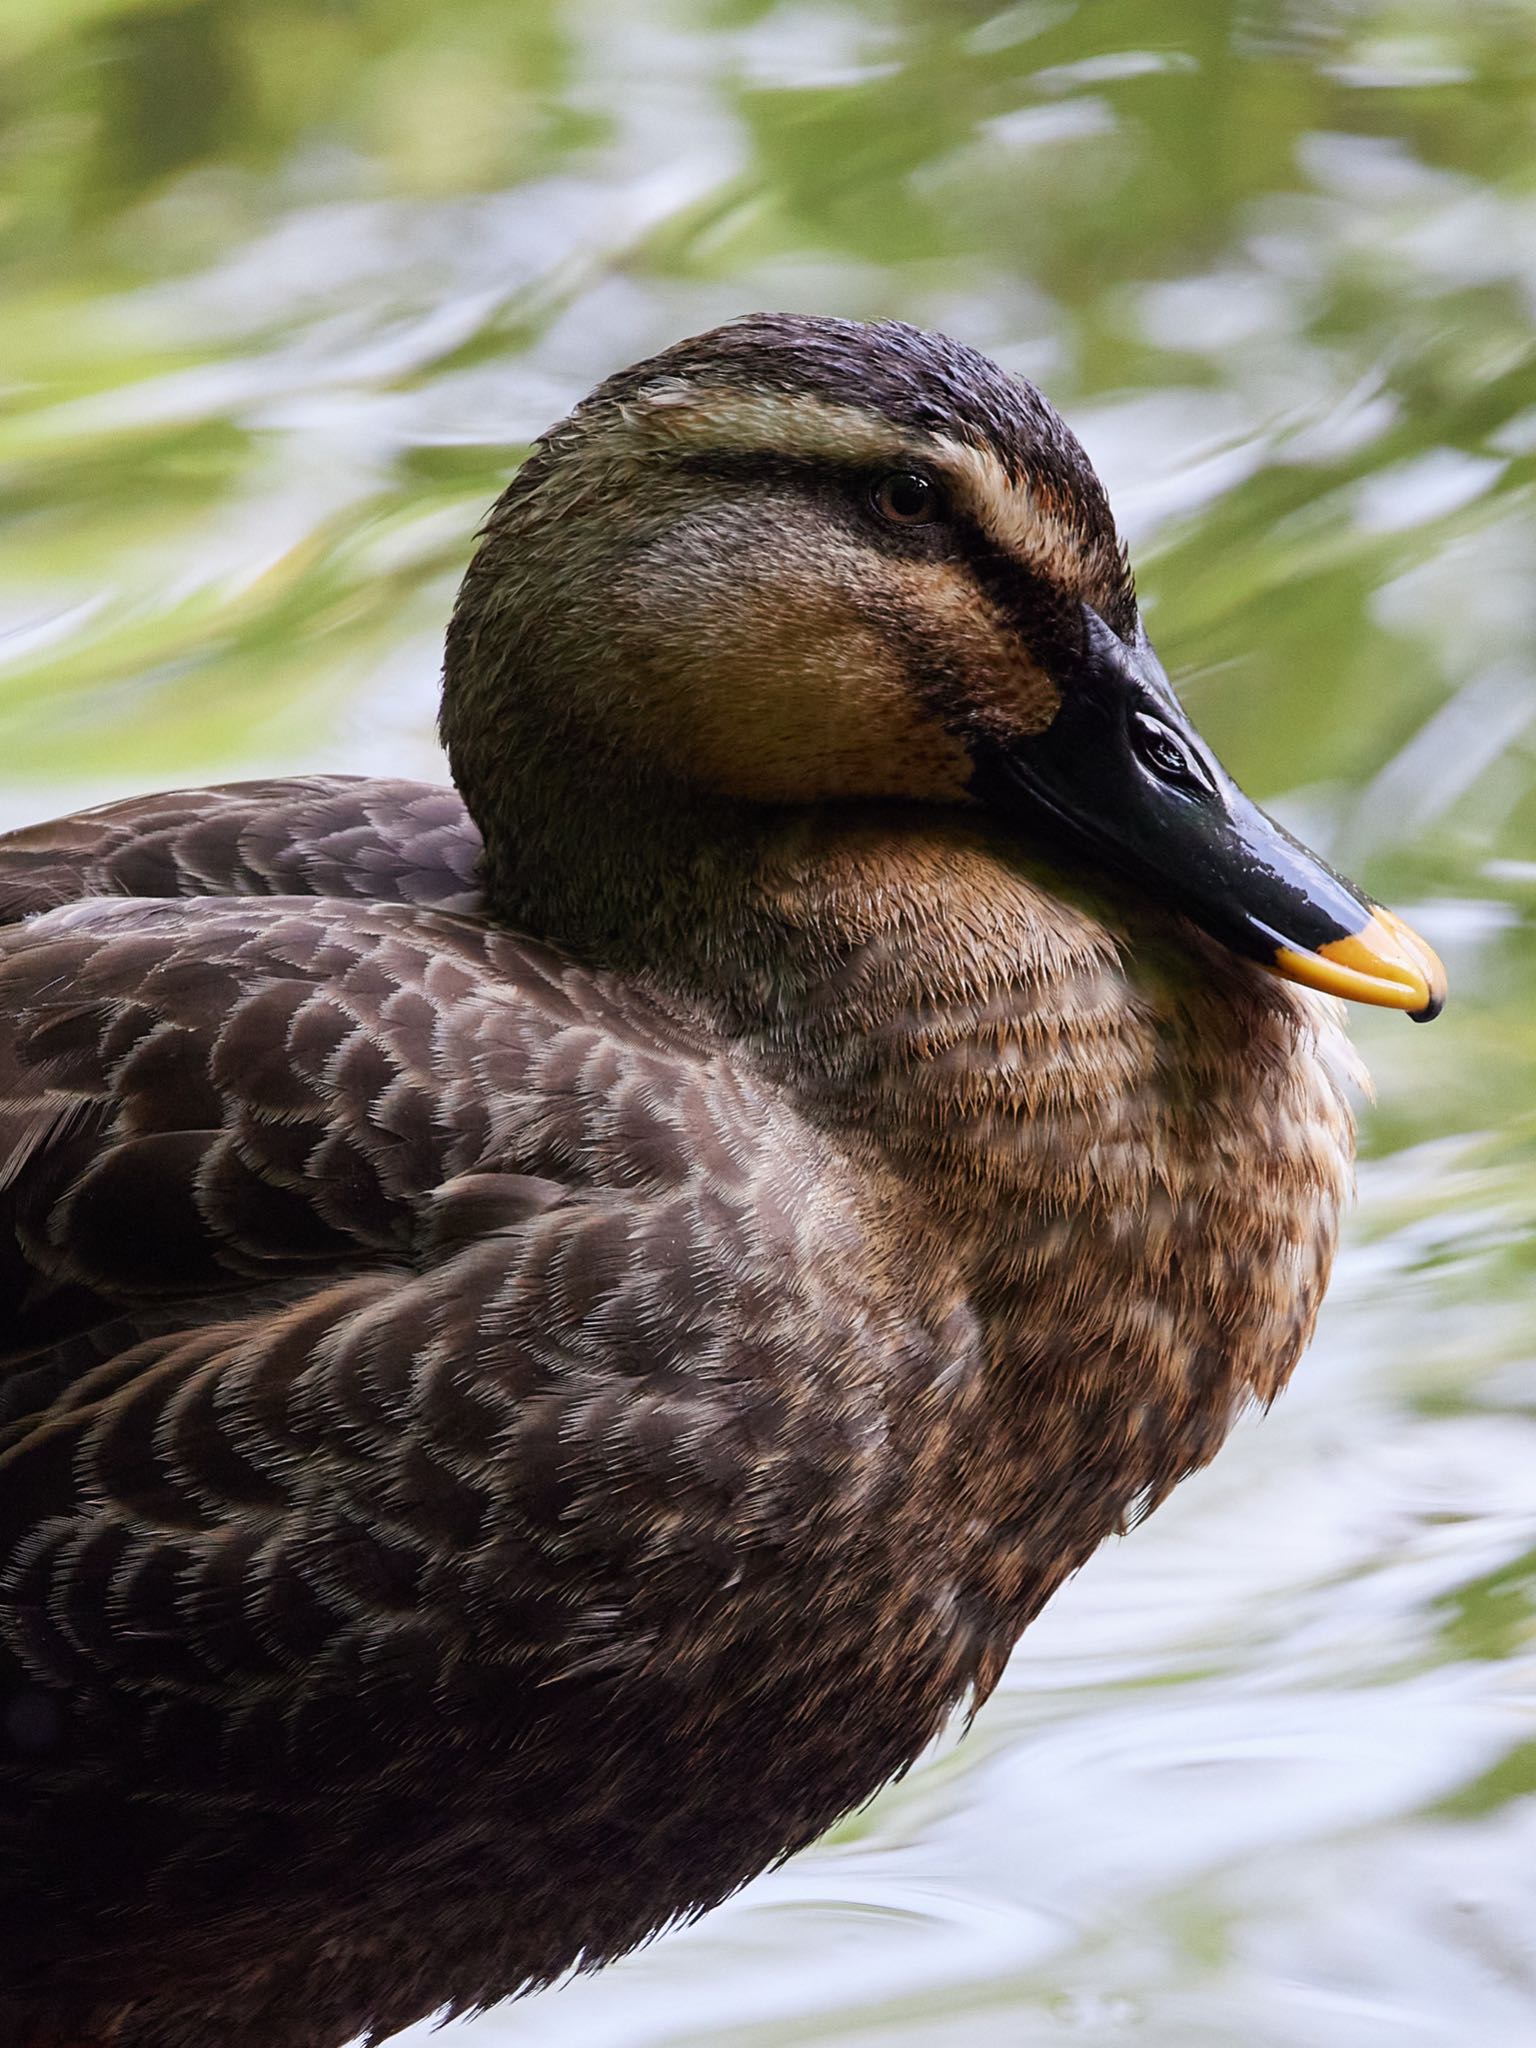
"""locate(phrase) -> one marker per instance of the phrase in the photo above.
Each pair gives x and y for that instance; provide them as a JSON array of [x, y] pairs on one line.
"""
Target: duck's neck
[[1122, 1151], [1023, 1048], [1103, 1108], [1114, 1154], [1133, 1145]]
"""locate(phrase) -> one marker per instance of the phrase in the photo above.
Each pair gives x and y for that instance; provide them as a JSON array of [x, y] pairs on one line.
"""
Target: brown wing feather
[[390, 1368], [324, 835]]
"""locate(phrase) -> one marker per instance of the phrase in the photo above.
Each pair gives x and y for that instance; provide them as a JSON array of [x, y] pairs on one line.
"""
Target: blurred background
[[289, 285]]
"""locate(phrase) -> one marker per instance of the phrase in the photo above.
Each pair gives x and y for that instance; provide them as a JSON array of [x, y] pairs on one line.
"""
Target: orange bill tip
[[1385, 962]]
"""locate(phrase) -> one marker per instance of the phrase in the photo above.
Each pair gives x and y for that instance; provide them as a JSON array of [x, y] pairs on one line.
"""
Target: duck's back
[[133, 1030], [428, 1364], [377, 841]]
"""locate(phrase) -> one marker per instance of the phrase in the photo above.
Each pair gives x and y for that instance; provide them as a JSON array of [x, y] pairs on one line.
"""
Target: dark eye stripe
[[769, 466], [1048, 620], [841, 490]]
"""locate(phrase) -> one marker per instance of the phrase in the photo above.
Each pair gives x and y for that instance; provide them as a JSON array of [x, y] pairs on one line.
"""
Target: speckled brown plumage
[[514, 1413]]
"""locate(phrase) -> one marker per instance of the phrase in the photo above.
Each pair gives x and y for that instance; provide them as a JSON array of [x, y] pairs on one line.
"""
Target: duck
[[556, 1330]]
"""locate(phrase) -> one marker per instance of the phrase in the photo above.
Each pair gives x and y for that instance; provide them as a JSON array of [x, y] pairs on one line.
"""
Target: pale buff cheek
[[796, 682], [809, 716]]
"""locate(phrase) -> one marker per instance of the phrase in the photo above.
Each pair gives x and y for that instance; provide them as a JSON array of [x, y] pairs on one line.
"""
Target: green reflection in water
[[289, 286]]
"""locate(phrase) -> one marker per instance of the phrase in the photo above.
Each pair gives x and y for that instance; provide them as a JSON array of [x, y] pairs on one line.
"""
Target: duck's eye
[[907, 499], [1160, 749]]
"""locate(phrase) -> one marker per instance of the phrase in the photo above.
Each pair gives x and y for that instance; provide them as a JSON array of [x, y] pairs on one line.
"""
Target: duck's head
[[810, 563]]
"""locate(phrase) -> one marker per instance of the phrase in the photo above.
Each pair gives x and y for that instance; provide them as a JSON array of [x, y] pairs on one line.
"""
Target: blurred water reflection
[[288, 290]]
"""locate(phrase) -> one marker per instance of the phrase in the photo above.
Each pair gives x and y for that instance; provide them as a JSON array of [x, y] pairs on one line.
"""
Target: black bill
[[1121, 777]]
